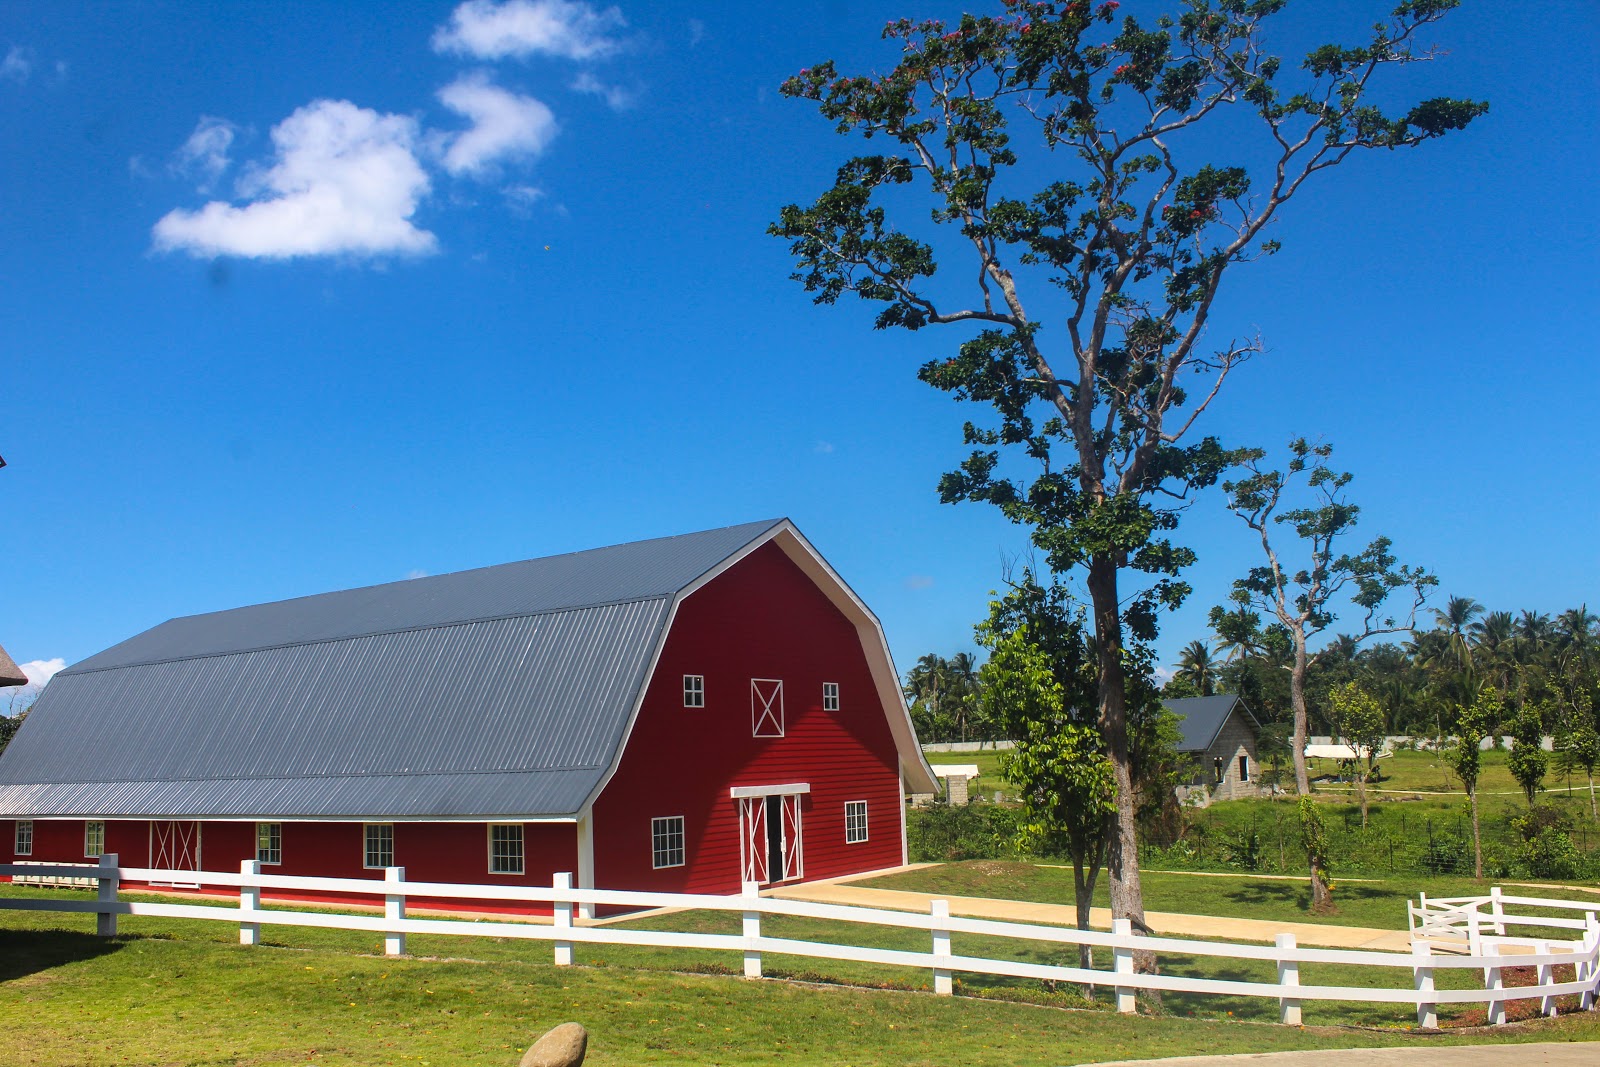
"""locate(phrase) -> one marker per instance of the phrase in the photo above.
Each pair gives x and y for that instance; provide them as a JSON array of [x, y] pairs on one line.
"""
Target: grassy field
[[170, 991]]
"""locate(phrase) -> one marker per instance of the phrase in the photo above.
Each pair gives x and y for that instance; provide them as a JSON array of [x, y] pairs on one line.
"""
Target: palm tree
[[1454, 619], [1493, 646], [1534, 635], [1238, 632], [1575, 634], [1196, 666]]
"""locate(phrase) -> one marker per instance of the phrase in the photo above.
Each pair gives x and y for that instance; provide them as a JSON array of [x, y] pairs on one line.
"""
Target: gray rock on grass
[[562, 1047]]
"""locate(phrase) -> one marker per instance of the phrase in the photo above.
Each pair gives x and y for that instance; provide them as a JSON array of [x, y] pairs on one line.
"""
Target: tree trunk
[[1083, 897], [1593, 811], [1361, 782], [1321, 891], [1477, 842], [1122, 852]]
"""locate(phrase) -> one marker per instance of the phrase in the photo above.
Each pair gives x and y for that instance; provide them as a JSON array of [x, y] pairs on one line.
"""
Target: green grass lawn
[[171, 991], [988, 763]]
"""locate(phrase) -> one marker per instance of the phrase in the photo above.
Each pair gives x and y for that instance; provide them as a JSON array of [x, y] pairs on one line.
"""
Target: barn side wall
[[430, 852], [762, 619]]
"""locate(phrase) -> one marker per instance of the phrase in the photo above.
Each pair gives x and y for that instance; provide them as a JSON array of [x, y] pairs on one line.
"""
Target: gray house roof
[[501, 691], [1202, 718]]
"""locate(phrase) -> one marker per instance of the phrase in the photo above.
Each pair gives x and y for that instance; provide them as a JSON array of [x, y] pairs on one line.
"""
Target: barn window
[[666, 842], [1244, 768], [855, 822], [505, 848], [269, 842], [380, 845], [694, 690], [766, 707], [24, 840], [830, 696], [94, 839]]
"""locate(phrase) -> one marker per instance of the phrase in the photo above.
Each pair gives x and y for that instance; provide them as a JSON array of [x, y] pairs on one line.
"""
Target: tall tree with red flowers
[[1082, 249]]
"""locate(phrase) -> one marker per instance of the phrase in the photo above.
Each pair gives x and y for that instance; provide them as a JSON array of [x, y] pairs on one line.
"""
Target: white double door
[[770, 839], [175, 846]]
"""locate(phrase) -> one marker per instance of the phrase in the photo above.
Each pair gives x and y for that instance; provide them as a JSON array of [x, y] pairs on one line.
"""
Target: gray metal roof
[[1201, 718], [500, 691]]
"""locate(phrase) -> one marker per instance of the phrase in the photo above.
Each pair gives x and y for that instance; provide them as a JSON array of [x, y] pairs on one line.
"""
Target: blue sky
[[305, 296]]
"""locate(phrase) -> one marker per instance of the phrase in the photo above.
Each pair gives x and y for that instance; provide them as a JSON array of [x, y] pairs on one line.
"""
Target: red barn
[[678, 714]]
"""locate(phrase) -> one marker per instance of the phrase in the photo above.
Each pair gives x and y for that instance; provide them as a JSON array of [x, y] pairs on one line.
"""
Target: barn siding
[[430, 852], [763, 618]]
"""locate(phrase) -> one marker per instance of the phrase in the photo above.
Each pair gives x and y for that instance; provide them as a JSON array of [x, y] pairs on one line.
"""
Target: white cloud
[[919, 581], [345, 180], [571, 29], [697, 32], [40, 671], [204, 156], [17, 66], [615, 96], [823, 448], [505, 125], [415, 573]]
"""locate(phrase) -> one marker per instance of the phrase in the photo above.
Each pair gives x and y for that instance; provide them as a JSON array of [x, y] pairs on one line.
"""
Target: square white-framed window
[[855, 822], [766, 707], [24, 838], [378, 850], [505, 848], [830, 696], [94, 839], [694, 690], [666, 842], [269, 843]]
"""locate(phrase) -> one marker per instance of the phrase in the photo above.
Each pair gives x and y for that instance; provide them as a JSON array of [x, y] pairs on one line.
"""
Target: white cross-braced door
[[175, 846], [753, 839], [793, 861]]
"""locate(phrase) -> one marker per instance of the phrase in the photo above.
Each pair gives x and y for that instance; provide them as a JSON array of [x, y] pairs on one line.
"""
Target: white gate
[[793, 862]]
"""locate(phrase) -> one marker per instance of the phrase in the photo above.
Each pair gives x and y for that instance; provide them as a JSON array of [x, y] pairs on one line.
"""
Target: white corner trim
[[795, 789]]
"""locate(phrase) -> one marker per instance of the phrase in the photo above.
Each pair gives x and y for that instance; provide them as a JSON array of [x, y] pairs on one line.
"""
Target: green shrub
[[976, 831]]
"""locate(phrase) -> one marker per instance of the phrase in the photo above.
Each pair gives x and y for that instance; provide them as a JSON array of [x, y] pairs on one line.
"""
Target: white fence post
[[1547, 977], [562, 917], [1288, 976], [394, 910], [1422, 971], [1494, 982], [1122, 962], [1591, 941], [1498, 909], [107, 881], [249, 900], [943, 983], [752, 932]]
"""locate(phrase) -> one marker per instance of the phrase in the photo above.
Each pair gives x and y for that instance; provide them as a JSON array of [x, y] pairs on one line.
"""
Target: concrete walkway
[[1543, 1054], [1176, 924]]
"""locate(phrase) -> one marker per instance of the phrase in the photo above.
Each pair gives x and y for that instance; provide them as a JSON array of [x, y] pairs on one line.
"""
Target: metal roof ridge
[[77, 671], [765, 524]]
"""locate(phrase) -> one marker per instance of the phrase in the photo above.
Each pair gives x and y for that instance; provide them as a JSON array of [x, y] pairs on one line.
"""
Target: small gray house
[[1220, 733]]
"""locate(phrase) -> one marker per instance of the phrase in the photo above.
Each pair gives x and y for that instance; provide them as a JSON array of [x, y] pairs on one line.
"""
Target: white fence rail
[[1490, 952]]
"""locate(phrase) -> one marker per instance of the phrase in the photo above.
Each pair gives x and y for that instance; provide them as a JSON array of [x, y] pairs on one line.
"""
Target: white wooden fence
[[1491, 951]]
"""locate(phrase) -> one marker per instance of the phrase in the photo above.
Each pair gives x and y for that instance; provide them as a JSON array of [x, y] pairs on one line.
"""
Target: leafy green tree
[[1578, 743], [1059, 764], [1092, 294], [1358, 717], [1303, 596], [1475, 722], [1528, 760]]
